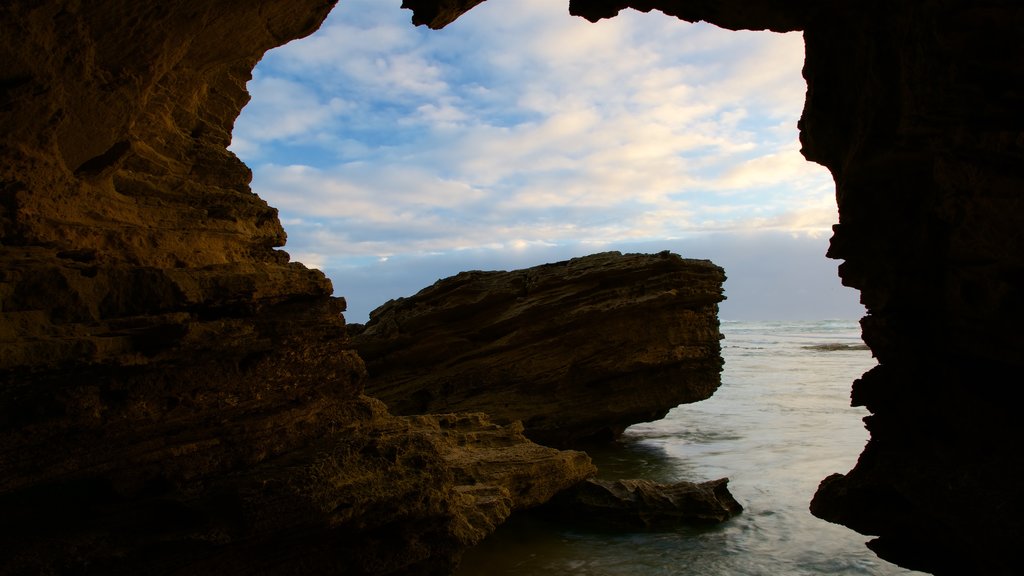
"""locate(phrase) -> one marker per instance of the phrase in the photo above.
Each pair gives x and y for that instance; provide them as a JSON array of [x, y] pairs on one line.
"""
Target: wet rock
[[640, 503]]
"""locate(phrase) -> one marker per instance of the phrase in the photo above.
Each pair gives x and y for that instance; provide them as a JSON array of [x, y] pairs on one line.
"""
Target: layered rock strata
[[175, 395], [128, 234], [576, 350], [374, 494]]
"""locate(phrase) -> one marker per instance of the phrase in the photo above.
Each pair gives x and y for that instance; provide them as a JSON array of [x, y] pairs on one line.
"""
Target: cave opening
[[155, 343], [518, 136], [512, 138]]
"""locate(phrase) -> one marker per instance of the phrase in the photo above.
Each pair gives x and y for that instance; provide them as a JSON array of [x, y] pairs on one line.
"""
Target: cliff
[[166, 375], [175, 395], [576, 350]]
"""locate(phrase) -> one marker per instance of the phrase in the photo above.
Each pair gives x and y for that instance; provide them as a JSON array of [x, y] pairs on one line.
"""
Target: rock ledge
[[576, 350]]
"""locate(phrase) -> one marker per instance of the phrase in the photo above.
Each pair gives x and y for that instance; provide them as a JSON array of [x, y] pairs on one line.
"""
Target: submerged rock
[[645, 503], [576, 350]]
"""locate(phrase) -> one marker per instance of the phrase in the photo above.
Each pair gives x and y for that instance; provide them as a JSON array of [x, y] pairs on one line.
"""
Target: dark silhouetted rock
[[166, 375], [645, 504], [915, 108], [576, 350]]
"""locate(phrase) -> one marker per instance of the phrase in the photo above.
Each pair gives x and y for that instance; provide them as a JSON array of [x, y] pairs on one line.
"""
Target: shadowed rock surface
[[576, 350], [915, 108], [374, 494], [161, 363], [639, 503], [175, 395]]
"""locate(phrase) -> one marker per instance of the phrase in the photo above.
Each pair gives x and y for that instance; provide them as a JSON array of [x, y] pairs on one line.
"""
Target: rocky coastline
[[177, 397]]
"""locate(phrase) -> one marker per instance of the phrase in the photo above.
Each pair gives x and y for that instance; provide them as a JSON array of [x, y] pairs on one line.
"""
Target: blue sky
[[521, 135]]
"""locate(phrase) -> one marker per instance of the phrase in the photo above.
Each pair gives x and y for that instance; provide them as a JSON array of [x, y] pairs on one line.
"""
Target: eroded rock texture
[[160, 360], [576, 350], [175, 395]]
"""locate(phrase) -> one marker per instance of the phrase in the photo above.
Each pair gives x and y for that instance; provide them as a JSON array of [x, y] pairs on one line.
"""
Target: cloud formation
[[520, 127]]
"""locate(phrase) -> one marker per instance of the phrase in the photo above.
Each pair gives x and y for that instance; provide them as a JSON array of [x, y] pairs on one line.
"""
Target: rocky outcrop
[[645, 504], [376, 494], [576, 350], [175, 395], [156, 350]]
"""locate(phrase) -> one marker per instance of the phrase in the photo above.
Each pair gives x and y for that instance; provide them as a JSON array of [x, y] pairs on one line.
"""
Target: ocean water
[[780, 422]]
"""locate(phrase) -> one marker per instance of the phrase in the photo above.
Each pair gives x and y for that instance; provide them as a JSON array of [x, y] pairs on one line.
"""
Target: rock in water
[[646, 504], [576, 350]]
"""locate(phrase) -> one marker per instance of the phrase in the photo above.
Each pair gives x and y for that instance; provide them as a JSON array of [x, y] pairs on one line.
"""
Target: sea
[[780, 422]]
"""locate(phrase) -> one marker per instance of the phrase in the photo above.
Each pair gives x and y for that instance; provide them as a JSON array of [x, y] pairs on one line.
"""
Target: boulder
[[576, 350], [640, 503]]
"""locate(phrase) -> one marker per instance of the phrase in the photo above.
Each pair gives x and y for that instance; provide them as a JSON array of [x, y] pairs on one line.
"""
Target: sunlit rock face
[[175, 395], [576, 350]]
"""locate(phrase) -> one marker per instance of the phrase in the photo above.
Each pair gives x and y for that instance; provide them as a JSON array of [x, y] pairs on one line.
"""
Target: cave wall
[[916, 108], [176, 396], [174, 391], [921, 124]]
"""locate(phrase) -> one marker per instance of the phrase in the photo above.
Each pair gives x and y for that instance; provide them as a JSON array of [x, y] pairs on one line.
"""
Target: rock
[[915, 108], [409, 494], [175, 395], [642, 503], [576, 350], [438, 13], [379, 494], [154, 345]]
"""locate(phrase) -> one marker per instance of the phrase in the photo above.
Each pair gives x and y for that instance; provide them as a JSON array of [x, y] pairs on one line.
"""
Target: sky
[[520, 135]]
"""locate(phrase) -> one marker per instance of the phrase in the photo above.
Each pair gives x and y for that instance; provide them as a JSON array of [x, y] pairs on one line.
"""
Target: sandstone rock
[[376, 494], [576, 350], [175, 395], [129, 238], [646, 504]]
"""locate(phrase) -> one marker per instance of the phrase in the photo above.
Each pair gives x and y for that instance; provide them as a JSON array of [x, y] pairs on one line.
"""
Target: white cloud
[[519, 127], [771, 169]]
